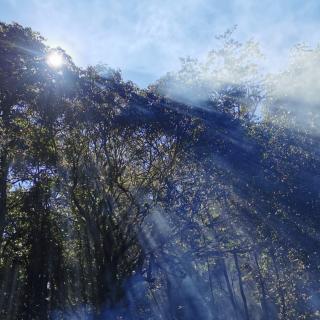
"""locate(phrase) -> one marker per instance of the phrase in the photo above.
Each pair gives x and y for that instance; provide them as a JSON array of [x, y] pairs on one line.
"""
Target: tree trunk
[[231, 296], [4, 171], [264, 303], [4, 166], [279, 287], [12, 293], [243, 296]]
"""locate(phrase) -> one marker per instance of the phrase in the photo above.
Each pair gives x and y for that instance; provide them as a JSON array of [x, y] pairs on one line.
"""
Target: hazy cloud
[[146, 38]]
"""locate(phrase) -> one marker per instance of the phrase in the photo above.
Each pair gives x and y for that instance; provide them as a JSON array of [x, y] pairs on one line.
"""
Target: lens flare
[[55, 60]]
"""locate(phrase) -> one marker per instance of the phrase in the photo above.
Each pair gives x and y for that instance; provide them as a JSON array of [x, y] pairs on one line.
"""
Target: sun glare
[[55, 59]]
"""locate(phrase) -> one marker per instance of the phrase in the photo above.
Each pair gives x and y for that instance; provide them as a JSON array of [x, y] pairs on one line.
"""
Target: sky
[[146, 38]]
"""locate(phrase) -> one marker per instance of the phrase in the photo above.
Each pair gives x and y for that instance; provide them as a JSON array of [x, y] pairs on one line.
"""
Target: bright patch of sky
[[145, 38]]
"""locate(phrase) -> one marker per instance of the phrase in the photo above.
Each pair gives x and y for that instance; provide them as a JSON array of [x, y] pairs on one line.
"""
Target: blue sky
[[145, 38]]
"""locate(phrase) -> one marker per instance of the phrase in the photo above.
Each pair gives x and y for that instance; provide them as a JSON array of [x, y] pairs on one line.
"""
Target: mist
[[166, 166]]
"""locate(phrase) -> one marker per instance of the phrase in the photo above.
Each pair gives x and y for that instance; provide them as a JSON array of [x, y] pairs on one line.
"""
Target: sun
[[55, 59]]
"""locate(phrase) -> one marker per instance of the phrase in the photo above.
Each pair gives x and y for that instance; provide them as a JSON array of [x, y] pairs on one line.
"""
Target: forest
[[195, 198]]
